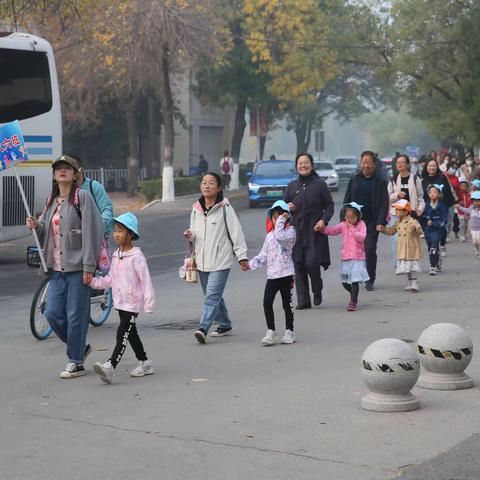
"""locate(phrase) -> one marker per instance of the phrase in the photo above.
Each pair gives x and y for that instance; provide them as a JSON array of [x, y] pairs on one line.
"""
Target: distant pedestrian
[[276, 254], [202, 164], [311, 204], [353, 269], [132, 292], [474, 213], [369, 189], [216, 235], [435, 216], [408, 243], [226, 169], [273, 157], [464, 200]]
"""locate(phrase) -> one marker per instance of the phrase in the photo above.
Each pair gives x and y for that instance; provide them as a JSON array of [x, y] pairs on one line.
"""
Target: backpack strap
[[226, 226]]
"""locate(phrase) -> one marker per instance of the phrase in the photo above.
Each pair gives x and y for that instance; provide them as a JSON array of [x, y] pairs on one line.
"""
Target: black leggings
[[127, 332], [353, 289], [283, 285]]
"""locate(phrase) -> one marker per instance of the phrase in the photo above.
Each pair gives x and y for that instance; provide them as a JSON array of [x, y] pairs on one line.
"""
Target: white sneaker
[[73, 370], [443, 252], [408, 288], [143, 368], [414, 287], [289, 337], [433, 271], [462, 238], [105, 370], [270, 338]]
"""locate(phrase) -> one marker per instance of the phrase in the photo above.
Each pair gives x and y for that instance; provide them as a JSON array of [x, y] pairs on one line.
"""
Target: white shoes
[[289, 337], [270, 338], [105, 370], [412, 286], [143, 368]]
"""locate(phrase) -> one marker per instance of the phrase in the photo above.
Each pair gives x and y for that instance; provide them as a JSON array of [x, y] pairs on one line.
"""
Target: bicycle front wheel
[[38, 322], [101, 302]]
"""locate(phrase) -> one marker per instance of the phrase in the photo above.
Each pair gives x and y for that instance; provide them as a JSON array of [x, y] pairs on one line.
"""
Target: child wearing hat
[[132, 291], [465, 201], [408, 243], [475, 185], [474, 212], [353, 267], [435, 217], [276, 254]]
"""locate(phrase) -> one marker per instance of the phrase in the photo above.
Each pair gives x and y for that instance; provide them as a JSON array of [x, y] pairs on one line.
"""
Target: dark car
[[269, 181]]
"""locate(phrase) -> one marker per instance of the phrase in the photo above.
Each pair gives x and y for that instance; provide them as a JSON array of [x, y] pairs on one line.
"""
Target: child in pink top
[[132, 291], [353, 231]]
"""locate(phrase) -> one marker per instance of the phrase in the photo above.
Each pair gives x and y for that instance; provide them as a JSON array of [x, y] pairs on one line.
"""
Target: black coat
[[380, 202], [313, 202]]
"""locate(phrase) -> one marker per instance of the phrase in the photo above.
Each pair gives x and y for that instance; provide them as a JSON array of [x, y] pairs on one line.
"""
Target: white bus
[[28, 93]]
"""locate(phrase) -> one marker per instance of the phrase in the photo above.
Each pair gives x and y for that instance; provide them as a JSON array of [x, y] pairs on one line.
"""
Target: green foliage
[[183, 186]]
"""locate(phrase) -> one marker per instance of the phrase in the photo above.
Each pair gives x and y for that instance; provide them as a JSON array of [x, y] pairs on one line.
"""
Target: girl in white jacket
[[217, 236]]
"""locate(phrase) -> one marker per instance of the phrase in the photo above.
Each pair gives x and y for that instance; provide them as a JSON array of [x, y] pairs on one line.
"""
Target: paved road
[[232, 409]]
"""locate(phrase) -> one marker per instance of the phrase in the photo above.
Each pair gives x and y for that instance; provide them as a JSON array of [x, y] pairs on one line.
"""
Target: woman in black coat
[[311, 203]]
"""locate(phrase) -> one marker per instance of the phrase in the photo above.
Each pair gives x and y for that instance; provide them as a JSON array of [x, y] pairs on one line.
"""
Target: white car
[[346, 166], [327, 173]]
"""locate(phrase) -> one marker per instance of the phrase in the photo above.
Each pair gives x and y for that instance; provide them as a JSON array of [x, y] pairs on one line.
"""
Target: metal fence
[[113, 179]]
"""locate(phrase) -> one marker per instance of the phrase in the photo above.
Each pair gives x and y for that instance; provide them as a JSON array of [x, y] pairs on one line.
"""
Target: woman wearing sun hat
[[71, 230]]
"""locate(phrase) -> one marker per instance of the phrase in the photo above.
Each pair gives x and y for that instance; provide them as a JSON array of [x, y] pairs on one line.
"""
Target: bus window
[[25, 89]]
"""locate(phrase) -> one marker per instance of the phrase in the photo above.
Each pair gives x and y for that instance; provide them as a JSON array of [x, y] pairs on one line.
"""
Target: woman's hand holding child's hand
[[244, 265]]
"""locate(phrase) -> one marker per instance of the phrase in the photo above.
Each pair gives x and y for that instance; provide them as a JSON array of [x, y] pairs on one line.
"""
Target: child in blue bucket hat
[[132, 291], [276, 254], [353, 267]]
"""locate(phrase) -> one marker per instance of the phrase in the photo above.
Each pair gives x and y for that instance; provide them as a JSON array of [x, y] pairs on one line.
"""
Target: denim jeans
[[214, 308], [68, 311]]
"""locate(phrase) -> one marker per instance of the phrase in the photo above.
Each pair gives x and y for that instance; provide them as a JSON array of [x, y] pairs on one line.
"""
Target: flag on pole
[[12, 145]]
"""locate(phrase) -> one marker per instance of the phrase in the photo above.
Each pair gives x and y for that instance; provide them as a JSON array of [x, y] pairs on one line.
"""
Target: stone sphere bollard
[[445, 350], [390, 368]]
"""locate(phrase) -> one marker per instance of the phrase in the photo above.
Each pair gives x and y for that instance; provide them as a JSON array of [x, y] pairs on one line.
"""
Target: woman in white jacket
[[217, 236], [407, 186]]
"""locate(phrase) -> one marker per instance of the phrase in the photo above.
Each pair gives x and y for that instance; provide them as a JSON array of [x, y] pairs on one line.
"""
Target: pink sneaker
[[351, 307]]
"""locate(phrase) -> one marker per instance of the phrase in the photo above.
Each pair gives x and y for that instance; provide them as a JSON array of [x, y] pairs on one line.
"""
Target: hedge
[[183, 186]]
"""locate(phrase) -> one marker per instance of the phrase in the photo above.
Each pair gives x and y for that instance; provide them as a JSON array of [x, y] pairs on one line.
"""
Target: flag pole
[[29, 214]]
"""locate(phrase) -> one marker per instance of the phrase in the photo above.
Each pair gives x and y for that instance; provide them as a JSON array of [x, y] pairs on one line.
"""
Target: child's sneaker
[[351, 307], [270, 338], [462, 239], [289, 337], [443, 251], [222, 332], [73, 370], [414, 287], [433, 271], [408, 288], [143, 368], [201, 335], [105, 370]]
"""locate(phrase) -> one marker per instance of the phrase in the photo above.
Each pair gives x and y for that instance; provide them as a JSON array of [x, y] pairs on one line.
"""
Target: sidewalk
[[122, 203]]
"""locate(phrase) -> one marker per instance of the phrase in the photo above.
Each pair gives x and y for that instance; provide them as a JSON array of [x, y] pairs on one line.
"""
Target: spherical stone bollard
[[390, 368], [445, 350]]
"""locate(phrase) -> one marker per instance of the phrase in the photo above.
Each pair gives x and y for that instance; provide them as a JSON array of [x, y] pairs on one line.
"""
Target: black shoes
[[222, 332], [369, 286], [317, 299], [201, 335], [303, 307]]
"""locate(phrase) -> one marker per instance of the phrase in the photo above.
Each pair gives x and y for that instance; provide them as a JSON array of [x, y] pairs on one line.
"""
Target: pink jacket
[[130, 282], [276, 252], [353, 238]]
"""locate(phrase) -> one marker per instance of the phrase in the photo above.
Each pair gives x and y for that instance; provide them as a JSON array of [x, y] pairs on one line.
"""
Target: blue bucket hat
[[438, 186], [129, 220], [353, 205], [475, 195], [278, 204], [476, 182]]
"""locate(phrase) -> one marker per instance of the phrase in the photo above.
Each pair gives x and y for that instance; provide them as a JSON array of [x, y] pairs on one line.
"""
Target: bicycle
[[101, 302]]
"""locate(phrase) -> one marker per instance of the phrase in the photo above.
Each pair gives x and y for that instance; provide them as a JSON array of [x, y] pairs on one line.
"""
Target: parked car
[[327, 173], [346, 166], [269, 181]]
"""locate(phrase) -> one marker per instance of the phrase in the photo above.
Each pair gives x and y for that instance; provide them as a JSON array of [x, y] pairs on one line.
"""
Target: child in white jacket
[[132, 291]]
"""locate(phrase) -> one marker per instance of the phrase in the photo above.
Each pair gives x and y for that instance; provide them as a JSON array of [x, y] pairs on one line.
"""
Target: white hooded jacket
[[213, 249]]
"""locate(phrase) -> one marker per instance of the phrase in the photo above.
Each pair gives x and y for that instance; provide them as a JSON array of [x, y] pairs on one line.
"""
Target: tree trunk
[[132, 183], [168, 186], [238, 131], [300, 134], [154, 166]]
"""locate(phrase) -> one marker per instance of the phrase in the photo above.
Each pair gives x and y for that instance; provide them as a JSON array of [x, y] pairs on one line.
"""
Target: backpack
[[226, 166]]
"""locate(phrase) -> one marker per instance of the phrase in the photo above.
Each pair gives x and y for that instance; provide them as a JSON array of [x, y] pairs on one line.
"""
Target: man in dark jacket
[[369, 189]]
